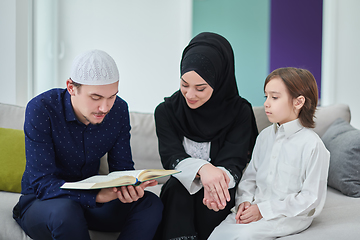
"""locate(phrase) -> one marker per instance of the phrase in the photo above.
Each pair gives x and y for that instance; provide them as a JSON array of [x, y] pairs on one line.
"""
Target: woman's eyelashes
[[197, 89]]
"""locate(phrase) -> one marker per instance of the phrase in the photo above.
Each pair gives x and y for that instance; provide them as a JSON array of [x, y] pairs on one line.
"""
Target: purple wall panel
[[296, 35]]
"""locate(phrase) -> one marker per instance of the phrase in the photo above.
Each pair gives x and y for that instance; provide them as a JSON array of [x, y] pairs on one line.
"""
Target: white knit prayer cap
[[94, 67]]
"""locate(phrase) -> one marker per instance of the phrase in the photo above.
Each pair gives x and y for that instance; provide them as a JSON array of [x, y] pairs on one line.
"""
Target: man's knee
[[66, 213], [55, 218], [156, 203]]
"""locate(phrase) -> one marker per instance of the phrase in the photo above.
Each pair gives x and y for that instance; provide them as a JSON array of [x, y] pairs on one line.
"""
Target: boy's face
[[279, 106], [91, 103]]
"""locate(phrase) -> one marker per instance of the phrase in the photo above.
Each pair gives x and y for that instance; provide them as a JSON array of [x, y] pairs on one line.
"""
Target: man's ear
[[299, 102], [70, 87]]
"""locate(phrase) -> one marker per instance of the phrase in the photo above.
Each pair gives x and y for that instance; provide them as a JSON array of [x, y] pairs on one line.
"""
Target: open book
[[119, 178]]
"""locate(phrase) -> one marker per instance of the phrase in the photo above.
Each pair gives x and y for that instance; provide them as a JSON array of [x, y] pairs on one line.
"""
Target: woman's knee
[[174, 190]]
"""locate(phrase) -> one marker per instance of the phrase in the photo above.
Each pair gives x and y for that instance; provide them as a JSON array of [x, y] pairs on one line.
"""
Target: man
[[67, 131]]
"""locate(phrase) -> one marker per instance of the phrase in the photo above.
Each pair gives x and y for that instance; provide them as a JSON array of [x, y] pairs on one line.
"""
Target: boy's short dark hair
[[299, 82]]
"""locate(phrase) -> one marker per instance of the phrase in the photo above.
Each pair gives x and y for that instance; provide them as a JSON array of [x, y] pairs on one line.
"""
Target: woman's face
[[195, 89]]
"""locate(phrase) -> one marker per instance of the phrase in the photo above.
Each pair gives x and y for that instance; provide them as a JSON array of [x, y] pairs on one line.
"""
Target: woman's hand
[[210, 202], [216, 183]]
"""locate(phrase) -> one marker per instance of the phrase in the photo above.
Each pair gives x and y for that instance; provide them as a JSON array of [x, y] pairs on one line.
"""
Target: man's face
[[91, 103]]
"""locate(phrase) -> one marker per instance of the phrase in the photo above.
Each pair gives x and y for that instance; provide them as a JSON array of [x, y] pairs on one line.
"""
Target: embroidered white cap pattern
[[94, 67]]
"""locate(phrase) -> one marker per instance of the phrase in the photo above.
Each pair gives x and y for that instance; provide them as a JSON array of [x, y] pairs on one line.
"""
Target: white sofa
[[339, 220]]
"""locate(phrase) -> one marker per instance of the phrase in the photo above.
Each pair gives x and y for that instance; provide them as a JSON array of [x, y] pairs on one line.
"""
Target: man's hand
[[128, 194], [248, 213], [125, 194], [216, 183]]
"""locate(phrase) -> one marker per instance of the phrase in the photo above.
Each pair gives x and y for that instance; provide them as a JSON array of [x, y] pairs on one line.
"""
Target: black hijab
[[211, 56]]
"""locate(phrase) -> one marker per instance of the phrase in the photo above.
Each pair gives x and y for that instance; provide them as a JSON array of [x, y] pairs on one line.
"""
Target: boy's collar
[[289, 128]]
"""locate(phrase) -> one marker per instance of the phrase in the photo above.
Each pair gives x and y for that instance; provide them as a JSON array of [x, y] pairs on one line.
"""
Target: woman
[[207, 131]]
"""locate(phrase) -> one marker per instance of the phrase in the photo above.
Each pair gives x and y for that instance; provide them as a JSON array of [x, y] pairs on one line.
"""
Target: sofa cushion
[[261, 118], [12, 116], [9, 229], [343, 142], [12, 159], [326, 115]]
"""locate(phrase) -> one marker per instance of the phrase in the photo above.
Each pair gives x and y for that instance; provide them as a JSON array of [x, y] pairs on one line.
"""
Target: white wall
[[341, 51], [7, 50], [146, 39], [150, 36], [13, 49]]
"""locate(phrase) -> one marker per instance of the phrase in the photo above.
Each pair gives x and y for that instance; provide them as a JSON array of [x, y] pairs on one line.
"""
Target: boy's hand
[[248, 213], [241, 208]]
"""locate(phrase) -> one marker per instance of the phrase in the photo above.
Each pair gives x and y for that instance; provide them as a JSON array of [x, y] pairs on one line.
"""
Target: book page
[[84, 184], [117, 182], [102, 181], [150, 174], [117, 174], [118, 178]]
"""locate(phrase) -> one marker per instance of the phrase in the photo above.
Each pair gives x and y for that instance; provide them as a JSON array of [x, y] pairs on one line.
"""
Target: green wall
[[245, 24]]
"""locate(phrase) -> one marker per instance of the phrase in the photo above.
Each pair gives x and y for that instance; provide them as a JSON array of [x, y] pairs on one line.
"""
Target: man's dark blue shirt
[[59, 148]]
